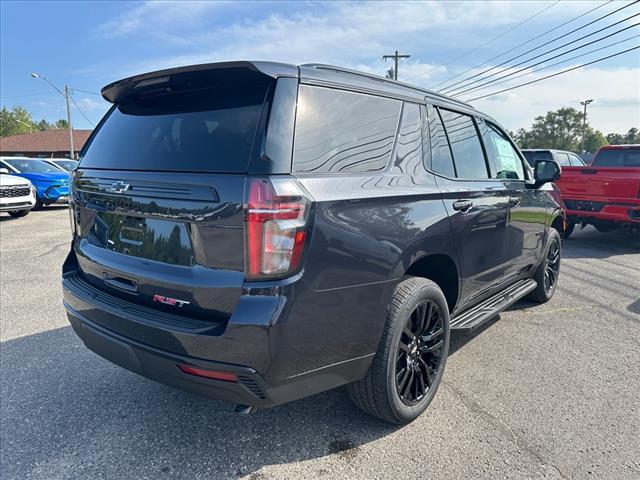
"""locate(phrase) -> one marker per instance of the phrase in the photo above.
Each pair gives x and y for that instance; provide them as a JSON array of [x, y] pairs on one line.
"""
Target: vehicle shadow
[[61, 404], [589, 243]]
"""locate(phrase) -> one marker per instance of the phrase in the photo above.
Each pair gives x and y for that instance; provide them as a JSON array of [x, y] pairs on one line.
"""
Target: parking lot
[[546, 391]]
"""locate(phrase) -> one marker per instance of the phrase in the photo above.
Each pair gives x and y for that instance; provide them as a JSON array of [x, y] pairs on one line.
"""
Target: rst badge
[[170, 301]]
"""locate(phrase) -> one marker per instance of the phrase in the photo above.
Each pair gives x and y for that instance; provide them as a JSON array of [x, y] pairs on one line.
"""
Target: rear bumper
[[623, 211], [258, 344]]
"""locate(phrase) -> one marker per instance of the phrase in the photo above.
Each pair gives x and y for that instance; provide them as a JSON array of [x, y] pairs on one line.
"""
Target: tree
[[631, 137], [593, 140], [561, 129], [15, 121], [18, 120]]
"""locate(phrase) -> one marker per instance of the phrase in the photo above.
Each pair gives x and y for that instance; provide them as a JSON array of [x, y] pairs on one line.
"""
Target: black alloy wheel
[[552, 266], [420, 351]]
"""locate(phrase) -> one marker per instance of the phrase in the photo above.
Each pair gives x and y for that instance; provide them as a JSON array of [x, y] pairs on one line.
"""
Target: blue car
[[51, 183]]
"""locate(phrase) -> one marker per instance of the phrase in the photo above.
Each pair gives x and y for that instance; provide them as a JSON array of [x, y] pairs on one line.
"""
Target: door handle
[[515, 201], [462, 205]]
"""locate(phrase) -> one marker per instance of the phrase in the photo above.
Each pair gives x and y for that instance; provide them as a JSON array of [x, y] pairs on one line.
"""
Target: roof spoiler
[[122, 88]]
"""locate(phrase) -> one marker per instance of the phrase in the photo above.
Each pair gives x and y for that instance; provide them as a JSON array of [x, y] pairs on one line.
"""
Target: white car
[[17, 194]]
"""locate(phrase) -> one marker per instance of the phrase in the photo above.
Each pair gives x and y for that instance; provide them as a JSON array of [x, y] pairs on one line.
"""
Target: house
[[45, 144]]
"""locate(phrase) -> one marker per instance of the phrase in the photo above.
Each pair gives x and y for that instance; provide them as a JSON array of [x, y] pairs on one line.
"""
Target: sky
[[87, 45]]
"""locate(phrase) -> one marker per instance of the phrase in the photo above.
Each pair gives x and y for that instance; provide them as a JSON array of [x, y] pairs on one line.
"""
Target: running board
[[471, 319]]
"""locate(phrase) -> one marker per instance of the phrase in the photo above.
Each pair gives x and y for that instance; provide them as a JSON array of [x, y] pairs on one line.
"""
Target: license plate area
[[154, 239]]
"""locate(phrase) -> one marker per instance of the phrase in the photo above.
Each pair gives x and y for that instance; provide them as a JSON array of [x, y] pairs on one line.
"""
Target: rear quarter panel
[[367, 231]]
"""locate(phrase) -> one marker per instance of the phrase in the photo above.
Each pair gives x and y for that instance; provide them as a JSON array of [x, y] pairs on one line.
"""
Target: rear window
[[533, 157], [338, 131], [618, 157], [208, 129]]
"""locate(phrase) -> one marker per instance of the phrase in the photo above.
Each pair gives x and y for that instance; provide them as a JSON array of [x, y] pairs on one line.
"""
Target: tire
[[38, 205], [413, 364], [548, 271], [566, 232], [19, 213]]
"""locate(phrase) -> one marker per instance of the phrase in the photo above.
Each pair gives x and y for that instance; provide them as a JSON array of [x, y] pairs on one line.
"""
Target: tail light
[[276, 222]]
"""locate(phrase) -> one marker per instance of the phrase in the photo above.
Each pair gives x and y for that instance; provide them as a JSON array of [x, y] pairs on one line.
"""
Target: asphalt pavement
[[544, 391]]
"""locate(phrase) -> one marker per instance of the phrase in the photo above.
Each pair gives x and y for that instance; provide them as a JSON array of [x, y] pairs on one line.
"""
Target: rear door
[[477, 205], [158, 196]]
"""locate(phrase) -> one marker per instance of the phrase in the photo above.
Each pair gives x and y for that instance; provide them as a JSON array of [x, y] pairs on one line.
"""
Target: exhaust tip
[[244, 409]]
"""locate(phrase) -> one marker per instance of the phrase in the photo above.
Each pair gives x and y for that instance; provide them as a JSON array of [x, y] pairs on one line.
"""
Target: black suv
[[258, 232]]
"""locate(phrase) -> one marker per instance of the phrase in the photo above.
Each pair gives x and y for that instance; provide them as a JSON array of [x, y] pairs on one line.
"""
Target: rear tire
[[408, 366], [548, 271], [19, 213]]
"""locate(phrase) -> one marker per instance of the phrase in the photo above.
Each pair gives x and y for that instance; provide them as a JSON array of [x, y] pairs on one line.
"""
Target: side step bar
[[474, 317]]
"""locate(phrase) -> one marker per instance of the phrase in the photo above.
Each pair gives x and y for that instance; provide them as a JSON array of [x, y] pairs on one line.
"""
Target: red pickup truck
[[605, 194]]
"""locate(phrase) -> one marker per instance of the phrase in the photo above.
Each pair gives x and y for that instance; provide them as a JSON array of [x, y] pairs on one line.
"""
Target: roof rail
[[372, 76]]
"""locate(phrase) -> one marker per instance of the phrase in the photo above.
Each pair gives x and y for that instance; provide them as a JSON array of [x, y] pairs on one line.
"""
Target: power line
[[81, 112], [456, 91], [449, 62], [554, 64], [452, 89], [87, 91], [554, 74], [523, 43], [544, 45]]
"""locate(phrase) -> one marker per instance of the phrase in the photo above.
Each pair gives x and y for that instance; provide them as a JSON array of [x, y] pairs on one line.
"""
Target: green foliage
[[632, 136], [562, 129], [18, 120]]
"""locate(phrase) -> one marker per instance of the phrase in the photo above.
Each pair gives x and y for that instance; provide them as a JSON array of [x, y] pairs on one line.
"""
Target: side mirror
[[4, 171], [546, 171]]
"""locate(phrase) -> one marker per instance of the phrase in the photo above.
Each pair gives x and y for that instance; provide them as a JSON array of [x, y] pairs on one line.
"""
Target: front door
[[526, 217]]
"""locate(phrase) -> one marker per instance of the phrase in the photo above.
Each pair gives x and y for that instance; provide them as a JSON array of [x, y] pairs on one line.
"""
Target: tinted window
[[609, 158], [618, 157], [533, 157], [633, 158], [506, 158], [32, 166], [409, 148], [208, 129], [338, 131], [465, 145], [441, 160]]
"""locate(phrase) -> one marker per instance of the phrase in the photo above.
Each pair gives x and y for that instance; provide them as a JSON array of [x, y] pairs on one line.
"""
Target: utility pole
[[395, 57], [584, 122], [67, 94], [67, 97]]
